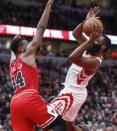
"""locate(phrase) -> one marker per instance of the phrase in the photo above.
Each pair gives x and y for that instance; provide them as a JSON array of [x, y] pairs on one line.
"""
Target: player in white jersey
[[86, 61]]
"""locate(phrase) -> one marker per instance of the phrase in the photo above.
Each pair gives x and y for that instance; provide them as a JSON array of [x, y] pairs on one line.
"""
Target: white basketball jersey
[[76, 76], [73, 96]]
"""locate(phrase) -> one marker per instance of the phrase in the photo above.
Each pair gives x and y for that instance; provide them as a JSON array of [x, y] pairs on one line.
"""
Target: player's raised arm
[[78, 31], [41, 26], [77, 55]]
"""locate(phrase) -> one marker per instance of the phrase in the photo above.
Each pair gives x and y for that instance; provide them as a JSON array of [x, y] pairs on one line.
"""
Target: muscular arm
[[78, 33], [41, 26], [90, 65], [86, 62]]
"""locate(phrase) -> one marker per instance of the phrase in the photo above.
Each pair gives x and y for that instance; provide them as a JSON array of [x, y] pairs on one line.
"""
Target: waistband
[[25, 92]]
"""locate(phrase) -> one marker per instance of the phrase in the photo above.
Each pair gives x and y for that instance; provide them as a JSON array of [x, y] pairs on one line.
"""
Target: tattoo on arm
[[41, 26]]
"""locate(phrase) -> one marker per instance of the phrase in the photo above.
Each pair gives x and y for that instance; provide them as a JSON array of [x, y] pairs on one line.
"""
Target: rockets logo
[[62, 103]]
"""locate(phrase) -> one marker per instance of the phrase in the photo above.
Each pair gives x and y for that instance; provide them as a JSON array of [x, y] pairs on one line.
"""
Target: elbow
[[74, 59], [71, 58], [36, 42], [41, 27], [74, 34]]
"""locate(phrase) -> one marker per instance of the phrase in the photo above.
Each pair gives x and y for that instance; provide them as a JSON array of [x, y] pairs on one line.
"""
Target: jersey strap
[[99, 59]]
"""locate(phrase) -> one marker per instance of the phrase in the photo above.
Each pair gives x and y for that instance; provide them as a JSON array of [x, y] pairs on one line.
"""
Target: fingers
[[99, 31], [95, 32], [93, 28], [50, 1], [90, 10], [95, 11], [97, 17]]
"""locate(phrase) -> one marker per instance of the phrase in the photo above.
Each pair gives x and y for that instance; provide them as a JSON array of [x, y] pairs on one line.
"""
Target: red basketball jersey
[[23, 76]]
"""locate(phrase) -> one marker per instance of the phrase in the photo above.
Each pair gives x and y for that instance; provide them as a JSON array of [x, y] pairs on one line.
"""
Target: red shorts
[[28, 109]]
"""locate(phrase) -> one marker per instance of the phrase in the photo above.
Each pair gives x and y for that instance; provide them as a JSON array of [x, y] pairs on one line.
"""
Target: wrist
[[49, 2], [86, 18], [84, 21]]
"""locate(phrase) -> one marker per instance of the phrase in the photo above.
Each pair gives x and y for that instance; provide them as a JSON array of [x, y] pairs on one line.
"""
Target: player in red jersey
[[27, 108]]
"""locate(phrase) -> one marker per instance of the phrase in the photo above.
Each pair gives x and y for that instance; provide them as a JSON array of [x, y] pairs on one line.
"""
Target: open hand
[[50, 1], [93, 12]]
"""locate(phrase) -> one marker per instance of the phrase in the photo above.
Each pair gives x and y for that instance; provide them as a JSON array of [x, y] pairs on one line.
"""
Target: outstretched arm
[[41, 26], [78, 31]]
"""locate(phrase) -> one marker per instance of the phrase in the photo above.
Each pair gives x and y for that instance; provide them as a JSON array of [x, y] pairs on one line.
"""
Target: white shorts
[[69, 102]]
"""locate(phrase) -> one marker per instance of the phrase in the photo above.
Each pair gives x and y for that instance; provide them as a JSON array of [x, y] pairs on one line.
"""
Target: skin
[[90, 64], [28, 50]]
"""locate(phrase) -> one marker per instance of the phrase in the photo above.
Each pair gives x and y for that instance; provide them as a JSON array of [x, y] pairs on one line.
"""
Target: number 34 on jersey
[[18, 80]]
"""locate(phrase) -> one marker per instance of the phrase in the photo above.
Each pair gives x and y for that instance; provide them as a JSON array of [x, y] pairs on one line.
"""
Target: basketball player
[[86, 61], [27, 108]]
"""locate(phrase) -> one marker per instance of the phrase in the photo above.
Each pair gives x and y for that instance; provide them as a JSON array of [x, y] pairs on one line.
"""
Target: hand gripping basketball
[[92, 21], [95, 33]]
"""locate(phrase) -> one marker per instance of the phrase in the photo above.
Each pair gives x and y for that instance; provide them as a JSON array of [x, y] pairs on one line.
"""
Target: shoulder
[[94, 66], [94, 60], [29, 60], [95, 63], [89, 62]]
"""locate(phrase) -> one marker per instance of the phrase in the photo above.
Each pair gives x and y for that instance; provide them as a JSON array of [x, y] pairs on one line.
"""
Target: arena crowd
[[66, 14], [101, 103], [99, 112]]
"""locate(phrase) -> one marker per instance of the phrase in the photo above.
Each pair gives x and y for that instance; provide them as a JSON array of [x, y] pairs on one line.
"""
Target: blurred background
[[99, 112]]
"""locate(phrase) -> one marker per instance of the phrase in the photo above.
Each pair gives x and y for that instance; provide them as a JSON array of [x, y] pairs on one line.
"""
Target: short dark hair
[[15, 43], [95, 48], [107, 41]]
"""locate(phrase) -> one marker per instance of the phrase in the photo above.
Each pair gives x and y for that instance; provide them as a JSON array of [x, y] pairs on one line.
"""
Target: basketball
[[91, 21]]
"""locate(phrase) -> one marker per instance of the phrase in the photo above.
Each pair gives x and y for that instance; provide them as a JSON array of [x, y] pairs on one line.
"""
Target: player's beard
[[95, 48]]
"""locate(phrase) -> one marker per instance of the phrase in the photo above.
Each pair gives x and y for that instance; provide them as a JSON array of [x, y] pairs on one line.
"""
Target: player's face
[[101, 42], [23, 46], [96, 47]]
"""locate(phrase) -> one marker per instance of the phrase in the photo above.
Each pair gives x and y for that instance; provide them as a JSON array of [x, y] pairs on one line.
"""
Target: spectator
[[98, 112], [66, 14]]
